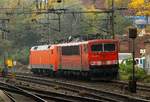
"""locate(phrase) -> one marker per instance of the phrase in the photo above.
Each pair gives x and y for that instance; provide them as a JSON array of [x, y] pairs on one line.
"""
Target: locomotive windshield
[[109, 47], [97, 48], [103, 47]]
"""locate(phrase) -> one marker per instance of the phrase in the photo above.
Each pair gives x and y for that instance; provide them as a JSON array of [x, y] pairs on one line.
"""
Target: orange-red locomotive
[[94, 58]]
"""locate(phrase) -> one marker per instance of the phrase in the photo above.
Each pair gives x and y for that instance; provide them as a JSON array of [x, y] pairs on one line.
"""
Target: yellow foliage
[[140, 6], [136, 3], [51, 3], [91, 8]]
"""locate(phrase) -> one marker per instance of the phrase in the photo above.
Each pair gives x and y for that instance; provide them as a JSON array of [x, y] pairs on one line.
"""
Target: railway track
[[57, 96], [89, 92], [10, 96], [11, 88], [140, 86], [42, 96], [60, 96], [121, 84]]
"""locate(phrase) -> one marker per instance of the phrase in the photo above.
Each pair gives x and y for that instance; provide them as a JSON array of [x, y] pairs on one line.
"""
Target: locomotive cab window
[[70, 50], [109, 47], [97, 48]]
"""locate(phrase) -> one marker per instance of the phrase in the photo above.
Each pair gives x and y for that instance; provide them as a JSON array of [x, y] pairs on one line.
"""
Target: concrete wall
[[147, 64], [147, 57]]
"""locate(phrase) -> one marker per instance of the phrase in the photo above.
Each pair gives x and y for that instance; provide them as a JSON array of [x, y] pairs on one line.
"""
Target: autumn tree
[[141, 7], [121, 22]]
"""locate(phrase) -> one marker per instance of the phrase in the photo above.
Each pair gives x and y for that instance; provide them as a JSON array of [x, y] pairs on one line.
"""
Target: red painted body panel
[[103, 56], [53, 56], [75, 62], [39, 57], [69, 62]]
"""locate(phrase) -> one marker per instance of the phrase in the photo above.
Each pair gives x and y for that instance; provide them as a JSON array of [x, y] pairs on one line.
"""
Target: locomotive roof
[[46, 47], [72, 43], [40, 47], [104, 40], [85, 42]]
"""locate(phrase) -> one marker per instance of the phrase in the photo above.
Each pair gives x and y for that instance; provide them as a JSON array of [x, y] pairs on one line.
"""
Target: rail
[[14, 89], [78, 88], [10, 96]]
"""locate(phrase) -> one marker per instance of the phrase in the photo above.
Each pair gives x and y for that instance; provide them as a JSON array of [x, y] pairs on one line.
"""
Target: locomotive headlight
[[111, 62], [108, 62], [96, 63], [92, 63]]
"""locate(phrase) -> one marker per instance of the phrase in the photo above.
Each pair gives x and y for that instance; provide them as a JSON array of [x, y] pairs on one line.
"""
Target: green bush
[[126, 71], [140, 74]]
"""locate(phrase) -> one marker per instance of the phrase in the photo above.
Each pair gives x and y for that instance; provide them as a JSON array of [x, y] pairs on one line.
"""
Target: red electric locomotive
[[94, 58]]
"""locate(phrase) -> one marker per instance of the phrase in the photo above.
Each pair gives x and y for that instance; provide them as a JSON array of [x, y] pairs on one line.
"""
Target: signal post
[[132, 83]]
